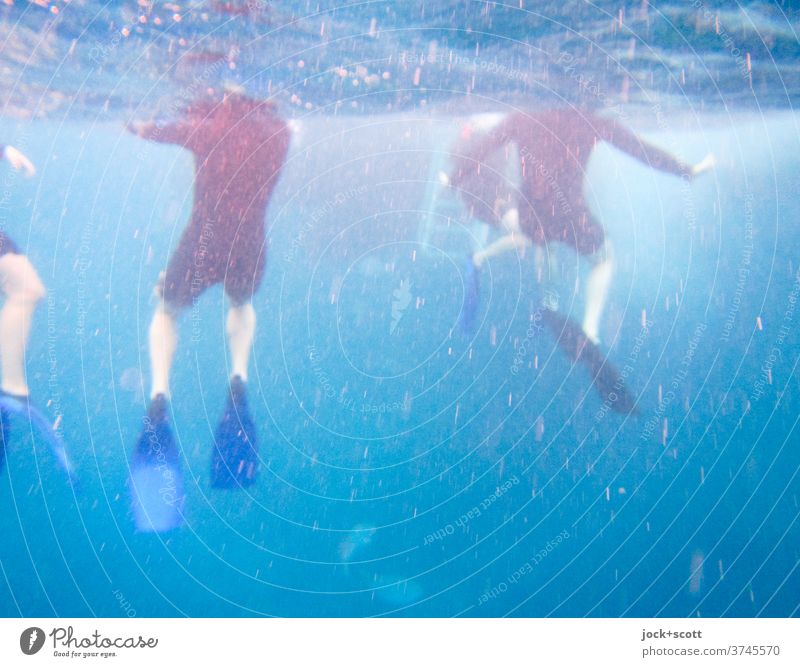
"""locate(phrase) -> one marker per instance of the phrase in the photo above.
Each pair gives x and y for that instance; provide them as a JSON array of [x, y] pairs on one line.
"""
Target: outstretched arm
[[165, 133], [17, 159], [646, 153]]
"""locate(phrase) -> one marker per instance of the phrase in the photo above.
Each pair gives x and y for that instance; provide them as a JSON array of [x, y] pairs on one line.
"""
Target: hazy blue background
[[382, 440]]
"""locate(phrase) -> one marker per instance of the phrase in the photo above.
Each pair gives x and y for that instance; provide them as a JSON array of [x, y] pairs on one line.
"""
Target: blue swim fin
[[156, 479], [234, 461], [472, 298], [21, 407]]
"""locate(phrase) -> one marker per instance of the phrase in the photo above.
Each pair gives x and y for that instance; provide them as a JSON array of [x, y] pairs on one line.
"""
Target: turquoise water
[[407, 469]]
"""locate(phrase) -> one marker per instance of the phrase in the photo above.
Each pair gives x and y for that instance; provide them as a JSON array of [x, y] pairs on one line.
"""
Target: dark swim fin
[[578, 347], [156, 480], [22, 407], [472, 298], [234, 461]]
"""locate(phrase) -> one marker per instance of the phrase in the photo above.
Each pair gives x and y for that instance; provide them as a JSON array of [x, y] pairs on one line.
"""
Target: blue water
[[406, 469]]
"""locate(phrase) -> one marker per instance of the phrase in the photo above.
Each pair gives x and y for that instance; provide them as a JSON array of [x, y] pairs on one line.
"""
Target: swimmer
[[552, 149], [23, 290], [239, 147]]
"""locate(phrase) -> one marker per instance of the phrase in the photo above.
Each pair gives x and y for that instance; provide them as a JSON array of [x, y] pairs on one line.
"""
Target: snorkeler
[[23, 290], [239, 147], [552, 149]]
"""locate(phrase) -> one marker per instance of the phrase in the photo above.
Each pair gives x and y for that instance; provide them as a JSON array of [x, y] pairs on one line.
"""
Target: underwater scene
[[427, 308]]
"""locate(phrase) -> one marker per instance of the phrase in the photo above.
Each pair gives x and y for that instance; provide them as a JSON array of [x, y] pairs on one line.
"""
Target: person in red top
[[551, 150], [239, 147], [23, 289]]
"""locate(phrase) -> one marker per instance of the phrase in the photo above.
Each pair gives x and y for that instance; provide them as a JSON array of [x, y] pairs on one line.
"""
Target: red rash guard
[[554, 148], [239, 147]]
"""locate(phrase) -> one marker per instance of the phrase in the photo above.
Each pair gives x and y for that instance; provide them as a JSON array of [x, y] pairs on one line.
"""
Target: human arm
[[165, 133], [646, 153], [17, 159]]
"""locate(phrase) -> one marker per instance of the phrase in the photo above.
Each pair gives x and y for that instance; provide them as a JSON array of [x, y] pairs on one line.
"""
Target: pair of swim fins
[[156, 477], [570, 337], [21, 407]]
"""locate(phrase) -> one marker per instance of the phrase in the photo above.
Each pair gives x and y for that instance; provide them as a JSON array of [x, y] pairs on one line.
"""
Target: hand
[[135, 127], [706, 164], [19, 161]]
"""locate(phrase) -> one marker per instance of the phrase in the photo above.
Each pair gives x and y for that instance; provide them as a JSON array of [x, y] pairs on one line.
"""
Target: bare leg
[[163, 339], [515, 239], [23, 290], [597, 287], [241, 329]]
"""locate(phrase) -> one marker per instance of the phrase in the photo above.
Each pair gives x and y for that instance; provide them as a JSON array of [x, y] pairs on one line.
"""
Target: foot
[[238, 387], [592, 338], [20, 397], [591, 334], [158, 412]]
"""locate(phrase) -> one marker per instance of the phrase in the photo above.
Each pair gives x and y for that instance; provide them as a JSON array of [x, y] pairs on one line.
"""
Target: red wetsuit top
[[489, 191], [239, 147], [553, 149]]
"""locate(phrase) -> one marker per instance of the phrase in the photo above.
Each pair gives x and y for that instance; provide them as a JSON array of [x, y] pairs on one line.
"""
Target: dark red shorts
[[581, 231], [205, 258]]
